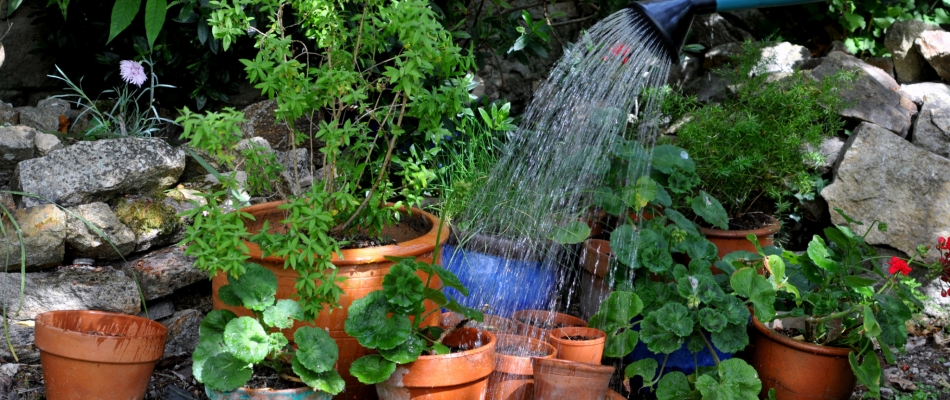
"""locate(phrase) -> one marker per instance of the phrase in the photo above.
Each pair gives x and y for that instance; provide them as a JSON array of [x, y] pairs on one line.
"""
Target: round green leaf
[[213, 324], [730, 339], [623, 243], [575, 232], [367, 321], [224, 372], [372, 369], [403, 288], [245, 338], [673, 386], [203, 352], [283, 314], [407, 352], [621, 343], [316, 350], [228, 297], [256, 287], [329, 381], [712, 320]]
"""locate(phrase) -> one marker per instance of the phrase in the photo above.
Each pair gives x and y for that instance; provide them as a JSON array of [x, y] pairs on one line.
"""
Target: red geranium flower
[[898, 265]]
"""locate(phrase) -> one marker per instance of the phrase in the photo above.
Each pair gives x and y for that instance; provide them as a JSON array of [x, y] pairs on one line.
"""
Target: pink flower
[[132, 72], [898, 265]]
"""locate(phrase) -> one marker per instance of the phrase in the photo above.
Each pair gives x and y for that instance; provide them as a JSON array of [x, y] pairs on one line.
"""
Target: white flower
[[132, 72]]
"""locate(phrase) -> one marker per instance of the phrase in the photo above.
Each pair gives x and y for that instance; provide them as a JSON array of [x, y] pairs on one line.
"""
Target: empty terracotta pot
[[730, 241], [491, 323], [799, 370], [303, 393], [455, 376], [513, 378], [579, 344], [539, 323], [568, 380], [596, 255], [94, 355]]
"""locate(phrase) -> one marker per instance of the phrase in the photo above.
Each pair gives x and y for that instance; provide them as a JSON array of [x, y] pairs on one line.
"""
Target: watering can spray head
[[669, 20]]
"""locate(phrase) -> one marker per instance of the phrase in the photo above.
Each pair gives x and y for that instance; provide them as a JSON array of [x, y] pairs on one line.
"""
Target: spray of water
[[593, 99]]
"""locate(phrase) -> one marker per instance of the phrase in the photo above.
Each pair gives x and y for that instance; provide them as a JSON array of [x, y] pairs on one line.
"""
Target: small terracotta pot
[[513, 378], [462, 375], [799, 370], [528, 319], [97, 355], [304, 393], [561, 379], [730, 241], [585, 351], [596, 257], [491, 323]]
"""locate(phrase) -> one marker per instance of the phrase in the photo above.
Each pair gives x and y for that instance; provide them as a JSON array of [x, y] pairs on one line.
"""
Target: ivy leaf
[[730, 339], [245, 338], [737, 380], [573, 233], [616, 311], [712, 320], [283, 314], [225, 373], [154, 19], [329, 381], [123, 12], [403, 288], [746, 282], [710, 210], [256, 287], [406, 352], [316, 350], [372, 369], [673, 386], [621, 343]]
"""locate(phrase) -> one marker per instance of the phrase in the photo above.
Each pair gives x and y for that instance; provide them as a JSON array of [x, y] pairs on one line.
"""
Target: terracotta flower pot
[[492, 323], [583, 350], [561, 379], [799, 370], [730, 241], [513, 378], [455, 376], [304, 393], [596, 256], [97, 355], [539, 323], [363, 269]]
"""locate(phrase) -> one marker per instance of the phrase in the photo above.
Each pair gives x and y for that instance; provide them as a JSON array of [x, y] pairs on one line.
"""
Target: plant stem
[[712, 351]]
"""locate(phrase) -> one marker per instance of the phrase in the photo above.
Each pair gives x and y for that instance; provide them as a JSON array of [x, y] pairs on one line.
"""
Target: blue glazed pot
[[506, 284], [304, 393], [680, 360]]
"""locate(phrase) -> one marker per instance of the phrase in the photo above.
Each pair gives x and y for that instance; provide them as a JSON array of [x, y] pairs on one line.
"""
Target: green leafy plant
[[751, 147], [848, 297], [230, 347], [866, 21], [381, 320]]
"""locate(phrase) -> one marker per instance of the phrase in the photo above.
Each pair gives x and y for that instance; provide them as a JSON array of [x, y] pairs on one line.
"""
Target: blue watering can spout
[[670, 19]]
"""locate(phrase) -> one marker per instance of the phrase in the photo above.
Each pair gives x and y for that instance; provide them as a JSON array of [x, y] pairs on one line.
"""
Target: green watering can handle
[[729, 5]]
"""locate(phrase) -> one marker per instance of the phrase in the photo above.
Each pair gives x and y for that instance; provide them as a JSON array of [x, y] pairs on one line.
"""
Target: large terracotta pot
[[568, 380], [93, 355], [588, 350], [304, 393], [363, 269], [455, 376], [730, 241], [596, 256], [513, 378], [539, 323], [799, 370]]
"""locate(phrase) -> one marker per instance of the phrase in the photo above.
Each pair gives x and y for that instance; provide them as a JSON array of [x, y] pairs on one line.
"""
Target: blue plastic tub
[[680, 360], [505, 284]]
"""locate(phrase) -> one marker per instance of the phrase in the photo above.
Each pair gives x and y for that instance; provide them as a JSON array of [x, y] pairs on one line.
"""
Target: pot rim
[[414, 247], [515, 364], [584, 368], [75, 344], [554, 315], [812, 348], [557, 334], [265, 391], [769, 229]]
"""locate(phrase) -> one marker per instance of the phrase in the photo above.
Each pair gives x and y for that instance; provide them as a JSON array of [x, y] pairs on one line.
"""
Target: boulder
[[932, 130], [42, 119], [886, 64], [872, 96], [86, 242], [688, 69], [917, 91], [44, 238], [830, 151], [99, 171], [21, 336], [154, 221], [8, 114], [73, 288], [44, 143], [909, 65], [182, 333], [16, 144], [713, 30], [57, 104], [262, 122], [934, 46], [782, 57], [721, 55], [299, 179], [163, 271], [883, 177], [159, 310]]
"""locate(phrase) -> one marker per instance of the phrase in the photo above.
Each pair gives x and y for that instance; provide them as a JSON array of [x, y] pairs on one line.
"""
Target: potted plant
[[377, 92], [513, 378], [844, 298], [577, 343], [231, 349], [417, 361], [756, 147]]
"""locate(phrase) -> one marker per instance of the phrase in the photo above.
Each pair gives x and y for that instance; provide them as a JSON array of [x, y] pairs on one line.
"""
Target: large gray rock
[[44, 143], [934, 46], [44, 238], [99, 171], [16, 144], [182, 333], [872, 96], [782, 57], [712, 30], [101, 288], [688, 69], [883, 177], [86, 242], [42, 119], [8, 114], [154, 221], [163, 271], [932, 130], [909, 65], [917, 91], [21, 336], [299, 179]]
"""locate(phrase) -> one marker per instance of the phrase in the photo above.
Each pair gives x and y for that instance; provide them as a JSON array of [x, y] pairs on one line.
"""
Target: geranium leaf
[[621, 343], [670, 159], [228, 297], [245, 338], [403, 288], [572, 233], [372, 369], [316, 350], [256, 287], [868, 372], [737, 380], [224, 372], [731, 338], [710, 210], [407, 352], [637, 196], [616, 311], [673, 386], [746, 282], [283, 314], [329, 381], [213, 325], [623, 243], [712, 320], [645, 368], [820, 255], [664, 330]]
